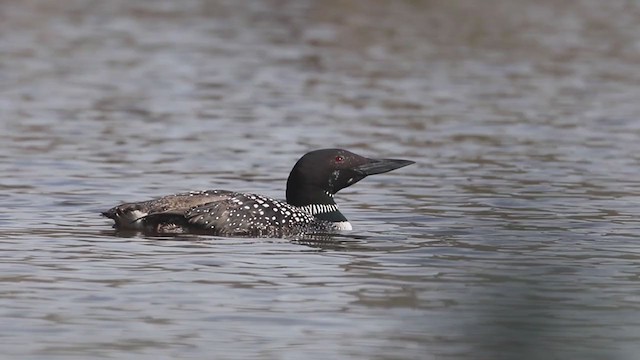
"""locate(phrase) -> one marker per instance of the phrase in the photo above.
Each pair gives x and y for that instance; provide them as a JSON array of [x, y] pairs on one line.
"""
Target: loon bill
[[309, 208]]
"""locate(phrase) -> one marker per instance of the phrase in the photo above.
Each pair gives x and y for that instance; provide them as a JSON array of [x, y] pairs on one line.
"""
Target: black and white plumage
[[309, 208]]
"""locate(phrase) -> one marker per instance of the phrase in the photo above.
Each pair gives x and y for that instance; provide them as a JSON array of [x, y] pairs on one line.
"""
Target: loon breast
[[343, 225]]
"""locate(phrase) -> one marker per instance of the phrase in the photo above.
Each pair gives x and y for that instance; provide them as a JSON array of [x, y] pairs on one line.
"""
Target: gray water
[[515, 234]]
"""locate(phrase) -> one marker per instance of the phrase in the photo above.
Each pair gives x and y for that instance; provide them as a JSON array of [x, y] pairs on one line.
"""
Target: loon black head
[[319, 174]]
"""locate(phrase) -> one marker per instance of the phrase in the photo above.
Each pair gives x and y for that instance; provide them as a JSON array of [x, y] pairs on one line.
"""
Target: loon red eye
[[339, 159]]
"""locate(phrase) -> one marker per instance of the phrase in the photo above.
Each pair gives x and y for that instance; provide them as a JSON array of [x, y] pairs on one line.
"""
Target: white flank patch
[[343, 225]]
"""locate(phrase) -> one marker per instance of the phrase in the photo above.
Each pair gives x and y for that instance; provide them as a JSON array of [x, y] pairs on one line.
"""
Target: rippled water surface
[[515, 234]]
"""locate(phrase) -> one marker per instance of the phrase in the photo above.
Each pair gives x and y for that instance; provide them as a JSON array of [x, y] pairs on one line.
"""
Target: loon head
[[320, 174]]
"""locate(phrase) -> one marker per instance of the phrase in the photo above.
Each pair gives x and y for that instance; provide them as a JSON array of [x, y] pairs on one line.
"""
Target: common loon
[[309, 208]]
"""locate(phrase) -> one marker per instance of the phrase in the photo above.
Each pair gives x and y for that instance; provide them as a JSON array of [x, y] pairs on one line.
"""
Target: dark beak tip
[[402, 163], [379, 166]]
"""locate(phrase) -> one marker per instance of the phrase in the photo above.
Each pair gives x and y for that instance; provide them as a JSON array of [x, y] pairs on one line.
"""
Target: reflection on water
[[513, 235]]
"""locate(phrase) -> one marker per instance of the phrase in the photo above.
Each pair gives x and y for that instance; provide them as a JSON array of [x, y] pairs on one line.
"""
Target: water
[[514, 235]]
